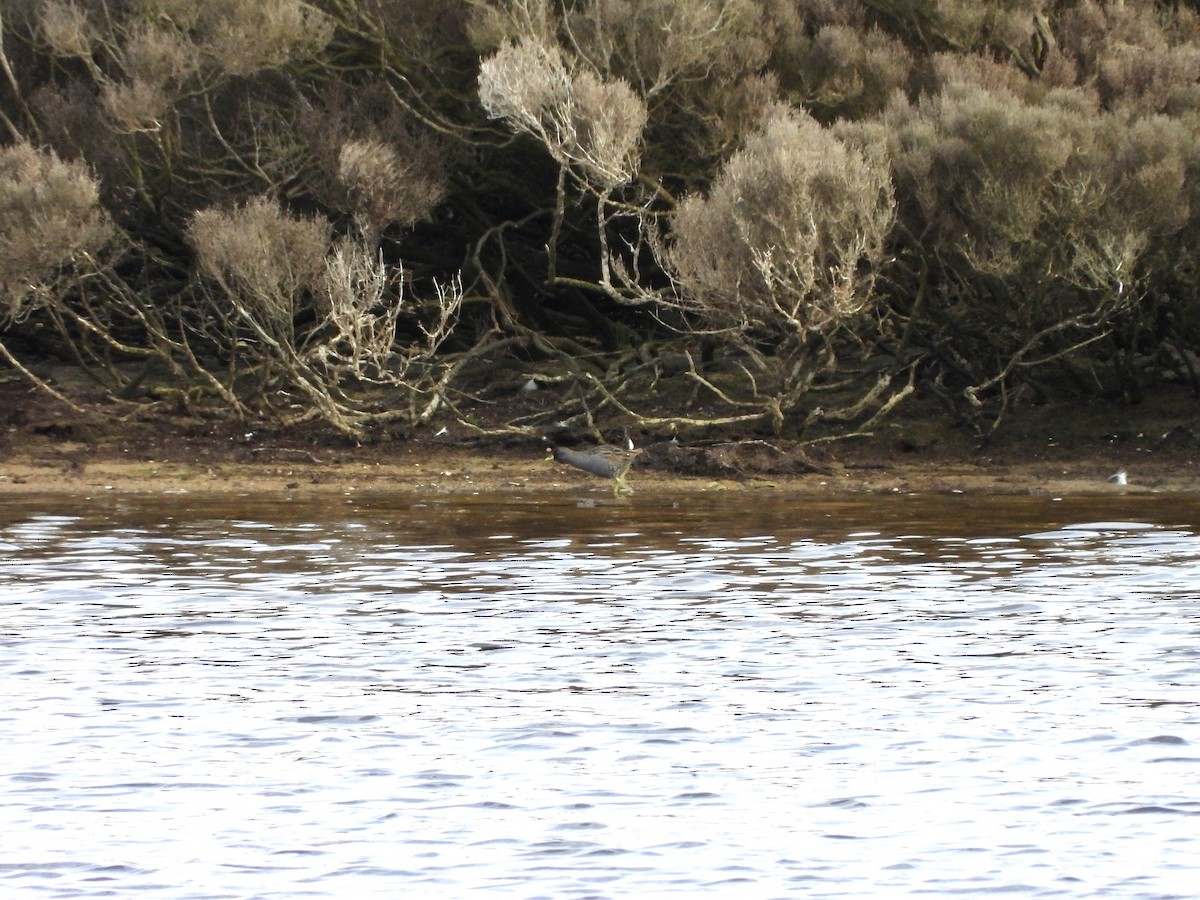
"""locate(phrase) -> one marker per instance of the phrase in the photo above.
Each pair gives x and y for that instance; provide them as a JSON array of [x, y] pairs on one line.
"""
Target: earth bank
[[46, 446]]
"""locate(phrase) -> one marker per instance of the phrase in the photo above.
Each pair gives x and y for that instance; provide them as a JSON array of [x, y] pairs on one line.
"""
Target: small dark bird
[[604, 460]]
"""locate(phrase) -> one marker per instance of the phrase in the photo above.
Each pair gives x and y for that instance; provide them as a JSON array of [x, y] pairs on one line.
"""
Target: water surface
[[533, 696]]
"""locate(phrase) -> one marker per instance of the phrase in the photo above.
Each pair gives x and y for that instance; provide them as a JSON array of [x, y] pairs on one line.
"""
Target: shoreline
[[72, 470], [1069, 449]]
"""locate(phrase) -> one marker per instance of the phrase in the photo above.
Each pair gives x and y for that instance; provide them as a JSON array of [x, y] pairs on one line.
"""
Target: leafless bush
[[1133, 60], [492, 25], [956, 73], [267, 270], [354, 299], [264, 260], [657, 45], [156, 62], [581, 120], [363, 304], [65, 27], [368, 162], [1055, 219], [246, 37], [50, 219], [702, 67], [384, 187], [608, 119], [1156, 79], [787, 240], [846, 71]]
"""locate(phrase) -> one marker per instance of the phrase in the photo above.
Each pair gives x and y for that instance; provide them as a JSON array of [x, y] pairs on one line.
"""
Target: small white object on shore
[[1119, 478]]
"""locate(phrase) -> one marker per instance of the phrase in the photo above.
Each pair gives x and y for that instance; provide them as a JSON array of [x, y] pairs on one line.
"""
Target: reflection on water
[[674, 695]]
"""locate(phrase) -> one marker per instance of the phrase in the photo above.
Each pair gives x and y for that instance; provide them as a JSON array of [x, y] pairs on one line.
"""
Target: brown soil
[[48, 447]]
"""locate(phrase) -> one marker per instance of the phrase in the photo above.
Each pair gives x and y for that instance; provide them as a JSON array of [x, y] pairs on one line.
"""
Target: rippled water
[[667, 696]]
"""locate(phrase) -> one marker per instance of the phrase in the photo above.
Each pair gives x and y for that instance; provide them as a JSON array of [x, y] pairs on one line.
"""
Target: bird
[[603, 460]]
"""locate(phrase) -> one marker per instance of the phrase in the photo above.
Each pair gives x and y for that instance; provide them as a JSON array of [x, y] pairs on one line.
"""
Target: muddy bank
[[1063, 449], [457, 471]]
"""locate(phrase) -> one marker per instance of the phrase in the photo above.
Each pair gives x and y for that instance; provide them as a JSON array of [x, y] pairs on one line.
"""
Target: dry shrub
[[157, 61], [359, 316], [182, 15], [961, 22], [1046, 226], [1127, 198], [581, 119], [956, 72], [787, 240], [582, 78], [492, 25], [977, 170], [419, 31], [1145, 162], [1137, 55], [654, 44], [1089, 30], [1033, 194], [846, 71], [1157, 79], [135, 106], [607, 119], [353, 286], [913, 143], [65, 27], [263, 268], [264, 259], [385, 187], [1081, 35], [975, 24], [50, 217], [1006, 157], [526, 84], [812, 15], [158, 55], [701, 67], [361, 305], [722, 123], [247, 36], [370, 160], [68, 120]]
